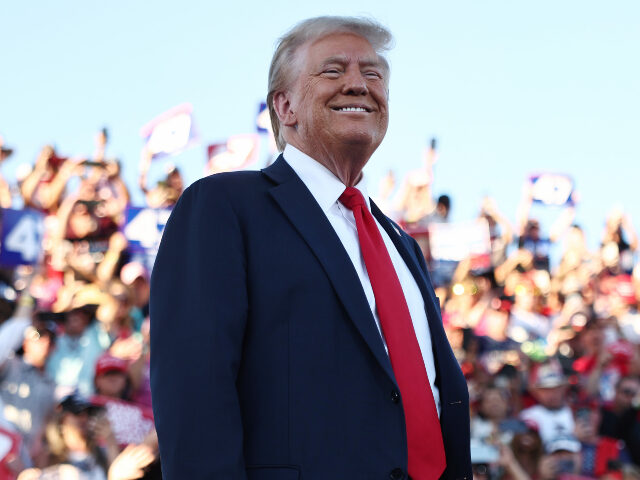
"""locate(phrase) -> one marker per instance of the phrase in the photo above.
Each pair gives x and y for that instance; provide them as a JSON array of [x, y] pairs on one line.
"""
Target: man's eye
[[372, 74]]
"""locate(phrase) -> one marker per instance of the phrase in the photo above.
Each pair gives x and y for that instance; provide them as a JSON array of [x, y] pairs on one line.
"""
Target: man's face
[[626, 392], [339, 97], [551, 398]]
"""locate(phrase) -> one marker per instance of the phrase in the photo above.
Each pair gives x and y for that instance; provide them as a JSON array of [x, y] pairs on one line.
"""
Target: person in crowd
[[603, 358], [130, 423], [492, 413], [521, 459], [136, 277], [26, 392], [619, 231], [140, 370], [72, 438], [552, 416], [599, 456], [72, 365], [529, 232], [500, 230], [442, 210], [44, 187], [112, 377], [562, 458], [167, 192], [621, 416]]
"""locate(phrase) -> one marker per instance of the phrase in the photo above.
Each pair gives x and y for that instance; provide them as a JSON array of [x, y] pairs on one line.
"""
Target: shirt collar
[[325, 187]]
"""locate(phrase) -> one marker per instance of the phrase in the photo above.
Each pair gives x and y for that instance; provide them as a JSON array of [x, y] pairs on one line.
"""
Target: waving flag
[[238, 152], [170, 132]]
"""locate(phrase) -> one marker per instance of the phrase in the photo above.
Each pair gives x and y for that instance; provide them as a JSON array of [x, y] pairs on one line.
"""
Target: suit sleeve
[[198, 312]]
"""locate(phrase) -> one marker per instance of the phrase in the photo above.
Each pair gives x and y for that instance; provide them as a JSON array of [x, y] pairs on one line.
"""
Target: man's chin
[[360, 140]]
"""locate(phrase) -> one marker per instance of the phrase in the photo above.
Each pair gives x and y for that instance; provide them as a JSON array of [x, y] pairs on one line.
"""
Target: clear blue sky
[[507, 87]]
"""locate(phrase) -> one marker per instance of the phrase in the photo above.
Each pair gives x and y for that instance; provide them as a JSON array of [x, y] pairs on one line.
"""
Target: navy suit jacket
[[266, 363]]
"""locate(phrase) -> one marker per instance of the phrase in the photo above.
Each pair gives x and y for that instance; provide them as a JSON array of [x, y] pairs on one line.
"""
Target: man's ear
[[283, 109]]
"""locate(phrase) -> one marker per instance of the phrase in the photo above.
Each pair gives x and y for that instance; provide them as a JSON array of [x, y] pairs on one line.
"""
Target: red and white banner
[[238, 152]]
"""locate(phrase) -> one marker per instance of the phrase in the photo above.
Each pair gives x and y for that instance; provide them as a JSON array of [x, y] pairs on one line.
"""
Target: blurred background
[[511, 156], [507, 88]]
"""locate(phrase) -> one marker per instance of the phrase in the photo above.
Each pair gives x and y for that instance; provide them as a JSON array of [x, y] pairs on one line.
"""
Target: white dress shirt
[[326, 188]]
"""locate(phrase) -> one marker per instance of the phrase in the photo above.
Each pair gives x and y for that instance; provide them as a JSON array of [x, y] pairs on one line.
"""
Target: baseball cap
[[108, 363], [131, 271], [564, 443], [548, 375], [75, 403]]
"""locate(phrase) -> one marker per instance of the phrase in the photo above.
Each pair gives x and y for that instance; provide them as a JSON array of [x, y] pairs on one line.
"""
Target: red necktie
[[424, 437]]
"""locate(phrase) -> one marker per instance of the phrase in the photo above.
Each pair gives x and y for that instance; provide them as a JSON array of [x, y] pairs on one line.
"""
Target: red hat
[[108, 363]]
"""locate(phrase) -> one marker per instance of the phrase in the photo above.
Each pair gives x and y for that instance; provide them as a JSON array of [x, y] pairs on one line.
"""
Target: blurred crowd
[[75, 400], [550, 349]]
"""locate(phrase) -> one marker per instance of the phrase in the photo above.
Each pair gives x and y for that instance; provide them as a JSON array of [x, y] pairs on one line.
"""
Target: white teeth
[[352, 109]]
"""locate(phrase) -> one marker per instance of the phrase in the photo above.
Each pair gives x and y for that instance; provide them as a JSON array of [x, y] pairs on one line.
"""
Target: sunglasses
[[628, 392]]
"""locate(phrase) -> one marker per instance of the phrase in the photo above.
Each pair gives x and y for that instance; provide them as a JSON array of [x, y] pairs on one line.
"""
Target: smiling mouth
[[352, 109]]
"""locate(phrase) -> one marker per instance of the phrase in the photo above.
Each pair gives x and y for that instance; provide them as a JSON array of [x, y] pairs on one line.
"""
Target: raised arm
[[198, 316]]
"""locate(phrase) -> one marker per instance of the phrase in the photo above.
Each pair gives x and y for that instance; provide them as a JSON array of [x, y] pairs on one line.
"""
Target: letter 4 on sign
[[22, 233], [144, 228]]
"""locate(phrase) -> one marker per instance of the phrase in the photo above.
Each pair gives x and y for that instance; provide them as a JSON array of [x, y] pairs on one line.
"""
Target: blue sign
[[263, 122], [552, 189], [144, 227], [22, 234]]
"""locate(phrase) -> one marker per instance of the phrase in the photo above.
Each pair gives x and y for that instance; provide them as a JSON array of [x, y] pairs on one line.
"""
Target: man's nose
[[354, 83]]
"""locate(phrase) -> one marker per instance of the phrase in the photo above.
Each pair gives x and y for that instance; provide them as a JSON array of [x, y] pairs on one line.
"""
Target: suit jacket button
[[395, 398], [397, 474]]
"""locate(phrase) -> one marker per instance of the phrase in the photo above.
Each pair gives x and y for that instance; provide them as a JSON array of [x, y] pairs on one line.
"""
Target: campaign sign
[[552, 189], [143, 228], [460, 240], [170, 132], [238, 152], [263, 121], [22, 233], [130, 423]]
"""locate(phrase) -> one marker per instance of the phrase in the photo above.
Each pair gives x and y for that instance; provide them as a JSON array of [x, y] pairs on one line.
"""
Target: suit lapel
[[430, 300], [309, 220]]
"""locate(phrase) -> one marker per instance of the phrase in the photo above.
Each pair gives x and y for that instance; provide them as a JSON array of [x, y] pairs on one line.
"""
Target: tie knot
[[351, 198]]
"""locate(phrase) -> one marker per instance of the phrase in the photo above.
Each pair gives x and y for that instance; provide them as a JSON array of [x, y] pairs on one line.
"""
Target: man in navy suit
[[295, 333]]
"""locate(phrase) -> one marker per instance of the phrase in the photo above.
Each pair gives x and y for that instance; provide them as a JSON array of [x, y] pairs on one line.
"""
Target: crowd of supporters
[[550, 350], [75, 400]]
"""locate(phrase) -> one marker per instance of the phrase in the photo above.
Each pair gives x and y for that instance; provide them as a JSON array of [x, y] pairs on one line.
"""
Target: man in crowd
[[295, 332], [552, 416], [26, 392], [621, 417]]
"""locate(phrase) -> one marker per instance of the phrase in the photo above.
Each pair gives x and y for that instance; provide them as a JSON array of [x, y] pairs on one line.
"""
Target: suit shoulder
[[227, 185], [229, 180]]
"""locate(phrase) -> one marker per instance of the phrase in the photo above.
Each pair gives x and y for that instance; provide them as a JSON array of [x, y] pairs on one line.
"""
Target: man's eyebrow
[[364, 62]]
